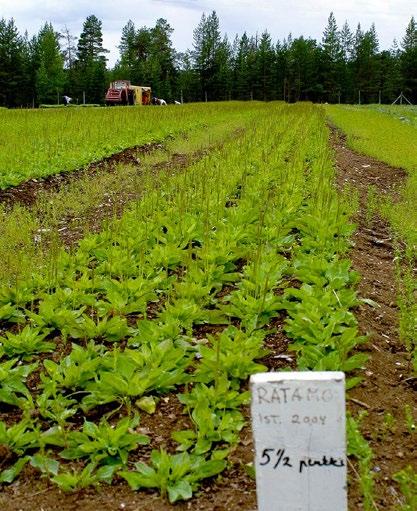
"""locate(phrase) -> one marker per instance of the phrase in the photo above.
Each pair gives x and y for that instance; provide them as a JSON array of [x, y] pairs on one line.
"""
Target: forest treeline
[[346, 66]]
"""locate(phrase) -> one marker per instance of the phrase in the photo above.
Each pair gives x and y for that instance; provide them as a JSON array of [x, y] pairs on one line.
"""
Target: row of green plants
[[33, 234], [125, 320], [38, 143]]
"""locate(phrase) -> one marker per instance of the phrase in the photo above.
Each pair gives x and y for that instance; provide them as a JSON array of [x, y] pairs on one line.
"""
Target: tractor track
[[387, 386], [27, 192]]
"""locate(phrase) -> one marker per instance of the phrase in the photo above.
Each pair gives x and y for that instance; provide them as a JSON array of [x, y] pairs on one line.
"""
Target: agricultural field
[[155, 258], [43, 142]]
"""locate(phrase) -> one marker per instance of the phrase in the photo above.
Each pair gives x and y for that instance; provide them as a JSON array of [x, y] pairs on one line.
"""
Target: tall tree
[[347, 45], [303, 66], [12, 65], [409, 60], [162, 58], [366, 65], [50, 76], [391, 79], [127, 48], [265, 68], [188, 79], [91, 61], [207, 40], [332, 61], [242, 73], [69, 49]]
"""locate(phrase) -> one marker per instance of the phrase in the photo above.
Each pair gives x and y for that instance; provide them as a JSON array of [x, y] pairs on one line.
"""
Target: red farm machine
[[122, 92]]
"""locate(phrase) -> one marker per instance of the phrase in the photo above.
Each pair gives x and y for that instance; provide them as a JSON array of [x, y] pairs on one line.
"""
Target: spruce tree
[[367, 65], [91, 62], [207, 41], [222, 80], [391, 79], [409, 61], [50, 76], [347, 48], [162, 58], [127, 48], [332, 61], [265, 68], [241, 85], [12, 66], [303, 65]]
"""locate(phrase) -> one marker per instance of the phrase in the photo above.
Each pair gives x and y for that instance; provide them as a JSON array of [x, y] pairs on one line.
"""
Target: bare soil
[[386, 387]]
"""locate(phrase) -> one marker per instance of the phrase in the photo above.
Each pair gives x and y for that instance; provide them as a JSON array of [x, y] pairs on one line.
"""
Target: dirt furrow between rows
[[386, 388]]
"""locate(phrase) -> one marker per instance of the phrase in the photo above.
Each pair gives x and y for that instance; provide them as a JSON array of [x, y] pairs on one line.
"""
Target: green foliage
[[211, 428], [232, 353], [50, 73], [74, 371], [368, 131], [19, 437], [359, 448], [130, 374], [44, 149], [407, 480], [71, 481], [104, 443], [255, 302], [9, 475], [176, 476], [45, 464], [26, 343], [410, 421], [13, 390]]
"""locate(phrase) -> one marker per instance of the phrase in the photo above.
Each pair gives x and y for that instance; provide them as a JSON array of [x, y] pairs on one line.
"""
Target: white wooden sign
[[298, 421]]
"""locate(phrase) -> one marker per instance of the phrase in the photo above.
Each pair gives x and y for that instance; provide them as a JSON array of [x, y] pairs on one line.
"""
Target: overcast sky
[[279, 17]]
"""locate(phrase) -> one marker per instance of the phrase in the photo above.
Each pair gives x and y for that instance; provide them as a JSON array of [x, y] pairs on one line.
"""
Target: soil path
[[26, 192], [387, 387]]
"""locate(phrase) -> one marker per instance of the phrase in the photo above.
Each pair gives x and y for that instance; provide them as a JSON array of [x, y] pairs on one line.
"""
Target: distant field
[[38, 143], [380, 132], [404, 113]]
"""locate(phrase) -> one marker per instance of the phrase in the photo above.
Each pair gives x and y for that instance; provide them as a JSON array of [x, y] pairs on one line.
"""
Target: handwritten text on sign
[[298, 422]]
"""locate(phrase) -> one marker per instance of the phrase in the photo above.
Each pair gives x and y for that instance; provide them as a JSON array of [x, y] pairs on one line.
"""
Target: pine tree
[[281, 70], [222, 80], [30, 66], [188, 79], [68, 48], [347, 44], [391, 79], [69, 52], [141, 73]]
